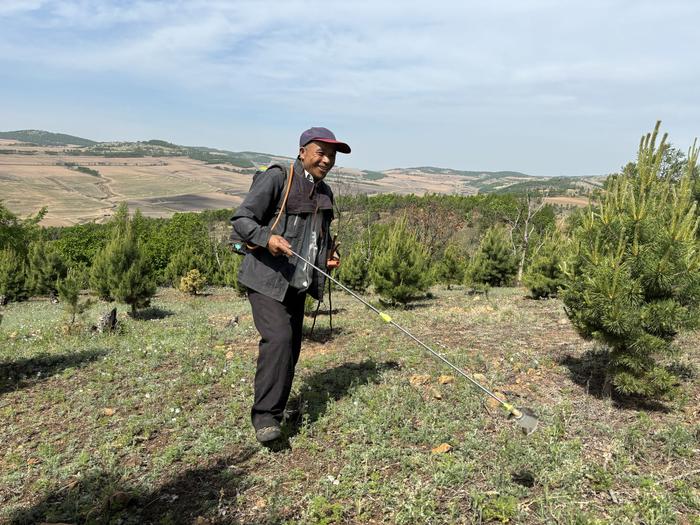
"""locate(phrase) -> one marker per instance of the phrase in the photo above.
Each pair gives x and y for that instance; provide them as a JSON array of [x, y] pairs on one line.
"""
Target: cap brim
[[339, 146]]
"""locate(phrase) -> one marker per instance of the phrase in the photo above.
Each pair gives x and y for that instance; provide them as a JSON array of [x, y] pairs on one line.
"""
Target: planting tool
[[524, 418]]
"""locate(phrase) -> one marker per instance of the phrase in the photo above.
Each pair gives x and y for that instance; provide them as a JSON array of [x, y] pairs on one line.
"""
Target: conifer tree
[[12, 276], [44, 269], [400, 271], [121, 270], [130, 278], [69, 293], [633, 279], [451, 268], [99, 275], [494, 263], [544, 275], [354, 270]]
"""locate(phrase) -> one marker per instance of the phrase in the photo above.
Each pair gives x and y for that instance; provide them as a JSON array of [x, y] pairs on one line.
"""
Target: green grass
[[151, 425]]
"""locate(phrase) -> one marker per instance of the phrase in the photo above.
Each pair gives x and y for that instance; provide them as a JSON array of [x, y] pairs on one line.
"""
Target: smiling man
[[285, 210]]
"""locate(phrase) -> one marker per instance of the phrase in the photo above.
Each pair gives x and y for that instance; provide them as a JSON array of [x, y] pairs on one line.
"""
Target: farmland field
[[150, 425]]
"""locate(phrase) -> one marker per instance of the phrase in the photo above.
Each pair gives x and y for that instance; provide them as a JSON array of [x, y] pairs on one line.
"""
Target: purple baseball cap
[[322, 135]]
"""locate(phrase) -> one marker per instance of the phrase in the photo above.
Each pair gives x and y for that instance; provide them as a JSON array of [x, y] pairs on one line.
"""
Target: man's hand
[[333, 263], [278, 245]]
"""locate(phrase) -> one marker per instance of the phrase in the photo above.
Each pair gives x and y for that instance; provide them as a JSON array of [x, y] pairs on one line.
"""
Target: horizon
[[465, 170], [536, 87]]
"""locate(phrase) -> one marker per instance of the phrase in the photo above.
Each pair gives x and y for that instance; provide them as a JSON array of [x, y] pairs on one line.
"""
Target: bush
[[228, 273], [494, 263], [181, 263], [192, 283], [633, 280], [399, 272]]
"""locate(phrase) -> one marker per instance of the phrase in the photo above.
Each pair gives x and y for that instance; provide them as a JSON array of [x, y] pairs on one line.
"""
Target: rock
[[480, 378], [107, 322], [492, 403], [446, 380], [418, 379], [443, 448]]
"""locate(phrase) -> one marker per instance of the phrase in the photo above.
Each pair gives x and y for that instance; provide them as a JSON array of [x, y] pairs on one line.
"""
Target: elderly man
[[285, 210]]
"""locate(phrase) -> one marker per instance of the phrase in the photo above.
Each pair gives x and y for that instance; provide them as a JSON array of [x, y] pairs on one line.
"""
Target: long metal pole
[[389, 320]]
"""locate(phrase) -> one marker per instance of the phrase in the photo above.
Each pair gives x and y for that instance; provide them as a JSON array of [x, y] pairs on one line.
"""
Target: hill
[[82, 180], [45, 138]]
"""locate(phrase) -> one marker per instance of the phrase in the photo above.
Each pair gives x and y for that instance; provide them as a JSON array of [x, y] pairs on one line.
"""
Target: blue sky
[[544, 87]]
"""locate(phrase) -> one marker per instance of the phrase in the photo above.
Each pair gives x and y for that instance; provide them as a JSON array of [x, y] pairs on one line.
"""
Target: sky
[[539, 86]]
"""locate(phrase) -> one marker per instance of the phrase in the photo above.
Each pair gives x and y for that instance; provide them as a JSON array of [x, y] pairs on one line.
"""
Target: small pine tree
[[12, 276], [494, 263], [130, 276], [451, 268], [99, 275], [69, 288], [44, 269], [544, 276], [121, 270], [193, 282], [400, 271], [633, 279], [353, 271]]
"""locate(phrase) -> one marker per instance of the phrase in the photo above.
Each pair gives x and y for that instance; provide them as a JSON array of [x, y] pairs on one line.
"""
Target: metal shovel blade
[[526, 420]]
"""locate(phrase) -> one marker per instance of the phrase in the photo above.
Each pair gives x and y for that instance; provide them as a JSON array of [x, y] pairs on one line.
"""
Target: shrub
[[181, 263], [193, 282], [228, 273], [633, 280]]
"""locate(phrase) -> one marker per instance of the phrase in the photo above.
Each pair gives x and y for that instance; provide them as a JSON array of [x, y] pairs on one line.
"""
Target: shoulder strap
[[286, 195], [290, 176]]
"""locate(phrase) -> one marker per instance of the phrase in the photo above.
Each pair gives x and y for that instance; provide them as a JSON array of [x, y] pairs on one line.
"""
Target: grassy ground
[[151, 425]]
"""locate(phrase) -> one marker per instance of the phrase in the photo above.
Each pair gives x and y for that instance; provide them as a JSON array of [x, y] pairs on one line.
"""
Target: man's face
[[318, 158]]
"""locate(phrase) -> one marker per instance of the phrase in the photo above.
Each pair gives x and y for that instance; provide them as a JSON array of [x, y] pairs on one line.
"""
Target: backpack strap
[[290, 176], [286, 195]]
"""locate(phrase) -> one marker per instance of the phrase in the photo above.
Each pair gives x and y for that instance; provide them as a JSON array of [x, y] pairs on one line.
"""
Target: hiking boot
[[267, 434]]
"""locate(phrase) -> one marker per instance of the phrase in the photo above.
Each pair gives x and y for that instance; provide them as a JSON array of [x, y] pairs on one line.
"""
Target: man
[[277, 281]]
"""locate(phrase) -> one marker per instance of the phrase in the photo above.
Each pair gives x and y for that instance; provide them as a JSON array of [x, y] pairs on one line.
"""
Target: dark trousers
[[279, 325]]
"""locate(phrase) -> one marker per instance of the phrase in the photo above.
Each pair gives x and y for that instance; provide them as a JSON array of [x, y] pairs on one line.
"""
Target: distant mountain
[[482, 175], [45, 138], [400, 180]]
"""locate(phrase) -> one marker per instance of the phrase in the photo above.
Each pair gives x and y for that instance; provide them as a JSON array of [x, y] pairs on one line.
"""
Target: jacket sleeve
[[252, 216]]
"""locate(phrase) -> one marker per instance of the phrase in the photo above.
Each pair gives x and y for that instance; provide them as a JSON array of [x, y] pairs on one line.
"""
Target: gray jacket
[[260, 270]]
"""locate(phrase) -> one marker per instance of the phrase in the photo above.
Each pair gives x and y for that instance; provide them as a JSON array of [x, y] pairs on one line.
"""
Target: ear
[[302, 149]]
